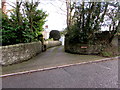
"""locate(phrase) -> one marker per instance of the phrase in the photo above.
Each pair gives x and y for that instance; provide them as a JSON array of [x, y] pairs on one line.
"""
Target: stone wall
[[79, 48], [20, 52], [50, 44], [85, 48]]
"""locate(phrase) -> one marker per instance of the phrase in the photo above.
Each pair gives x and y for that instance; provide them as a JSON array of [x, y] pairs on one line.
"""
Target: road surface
[[95, 75]]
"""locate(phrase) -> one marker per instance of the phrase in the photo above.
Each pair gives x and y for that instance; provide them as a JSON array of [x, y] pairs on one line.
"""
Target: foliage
[[63, 32], [88, 19], [23, 25], [106, 54], [110, 51], [49, 39], [8, 32], [55, 34], [35, 17]]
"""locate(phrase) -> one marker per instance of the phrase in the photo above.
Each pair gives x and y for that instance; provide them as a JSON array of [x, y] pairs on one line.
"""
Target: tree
[[35, 17], [69, 4], [87, 20], [23, 25], [113, 16]]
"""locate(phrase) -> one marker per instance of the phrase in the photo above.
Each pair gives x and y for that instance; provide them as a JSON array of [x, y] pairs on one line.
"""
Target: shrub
[[55, 34]]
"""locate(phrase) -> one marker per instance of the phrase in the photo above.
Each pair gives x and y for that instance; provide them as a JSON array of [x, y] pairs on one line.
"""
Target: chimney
[[4, 6]]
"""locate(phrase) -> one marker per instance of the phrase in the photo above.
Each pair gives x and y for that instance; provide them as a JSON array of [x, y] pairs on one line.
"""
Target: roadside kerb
[[62, 66]]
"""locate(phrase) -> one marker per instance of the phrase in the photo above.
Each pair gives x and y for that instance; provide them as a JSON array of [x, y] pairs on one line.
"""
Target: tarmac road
[[95, 75]]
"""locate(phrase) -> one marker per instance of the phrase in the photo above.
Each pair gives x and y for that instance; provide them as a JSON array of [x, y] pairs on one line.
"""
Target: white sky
[[55, 20], [57, 17]]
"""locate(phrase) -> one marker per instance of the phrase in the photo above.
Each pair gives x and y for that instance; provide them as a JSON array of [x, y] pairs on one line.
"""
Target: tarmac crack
[[67, 72]]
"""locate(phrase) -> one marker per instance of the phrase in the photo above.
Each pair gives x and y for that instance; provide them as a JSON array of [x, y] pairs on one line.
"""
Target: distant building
[[46, 32]]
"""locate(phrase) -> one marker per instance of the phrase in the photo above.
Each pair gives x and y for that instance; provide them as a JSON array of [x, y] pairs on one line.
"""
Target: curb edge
[[56, 67]]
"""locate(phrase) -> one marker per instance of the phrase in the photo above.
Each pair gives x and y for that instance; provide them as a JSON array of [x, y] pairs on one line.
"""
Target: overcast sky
[[56, 10], [56, 17]]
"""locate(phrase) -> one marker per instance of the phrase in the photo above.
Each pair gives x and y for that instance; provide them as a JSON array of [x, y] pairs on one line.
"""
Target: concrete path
[[51, 58], [94, 75]]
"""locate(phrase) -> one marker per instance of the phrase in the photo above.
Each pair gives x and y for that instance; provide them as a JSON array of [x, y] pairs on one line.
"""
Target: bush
[[55, 34]]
